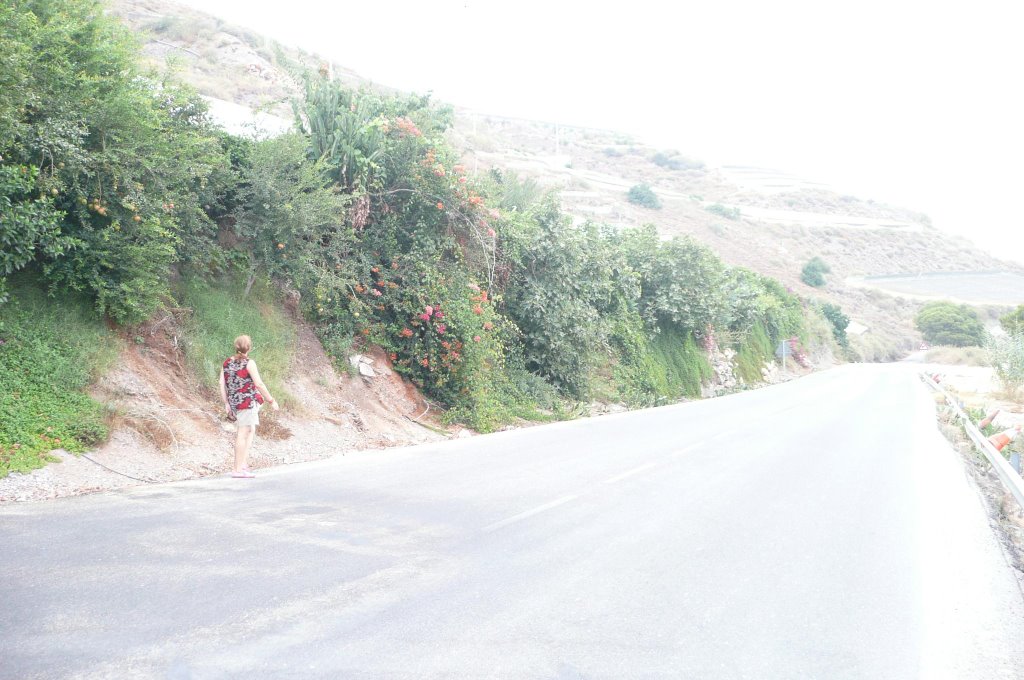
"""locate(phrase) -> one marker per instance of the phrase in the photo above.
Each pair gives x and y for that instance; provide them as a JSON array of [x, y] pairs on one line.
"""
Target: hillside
[[762, 220], [406, 270]]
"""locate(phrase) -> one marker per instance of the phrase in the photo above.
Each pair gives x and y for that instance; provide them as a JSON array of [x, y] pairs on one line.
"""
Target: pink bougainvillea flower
[[425, 317], [441, 328], [438, 314], [476, 338], [440, 205], [406, 333], [491, 232], [494, 213], [462, 180], [376, 292], [473, 286], [429, 310], [478, 310], [488, 326]]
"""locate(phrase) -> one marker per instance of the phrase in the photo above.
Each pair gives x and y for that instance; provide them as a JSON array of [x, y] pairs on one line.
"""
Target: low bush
[[729, 213], [813, 273], [51, 350], [673, 161], [1007, 355], [643, 195]]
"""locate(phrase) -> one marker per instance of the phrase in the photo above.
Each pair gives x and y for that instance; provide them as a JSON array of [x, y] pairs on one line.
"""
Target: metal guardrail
[[1011, 480]]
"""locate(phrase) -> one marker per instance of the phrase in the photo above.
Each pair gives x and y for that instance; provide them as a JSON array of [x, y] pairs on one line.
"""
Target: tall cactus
[[343, 130]]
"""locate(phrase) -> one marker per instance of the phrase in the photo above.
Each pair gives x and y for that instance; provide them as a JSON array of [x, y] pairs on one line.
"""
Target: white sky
[[919, 104]]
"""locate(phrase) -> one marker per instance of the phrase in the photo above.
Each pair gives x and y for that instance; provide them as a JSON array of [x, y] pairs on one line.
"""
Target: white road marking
[[529, 513], [629, 473], [565, 499]]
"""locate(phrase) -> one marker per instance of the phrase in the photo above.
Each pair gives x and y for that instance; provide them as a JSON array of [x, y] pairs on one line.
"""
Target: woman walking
[[243, 393]]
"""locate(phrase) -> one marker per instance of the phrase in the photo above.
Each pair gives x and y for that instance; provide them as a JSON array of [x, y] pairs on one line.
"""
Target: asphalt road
[[817, 529]]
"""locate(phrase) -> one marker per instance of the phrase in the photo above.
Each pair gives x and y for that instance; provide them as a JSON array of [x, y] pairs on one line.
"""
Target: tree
[[813, 273], [292, 223], [839, 322], [946, 323], [1013, 322], [125, 157], [29, 226]]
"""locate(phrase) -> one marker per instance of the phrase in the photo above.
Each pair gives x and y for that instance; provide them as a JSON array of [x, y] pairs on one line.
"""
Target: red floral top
[[242, 392]]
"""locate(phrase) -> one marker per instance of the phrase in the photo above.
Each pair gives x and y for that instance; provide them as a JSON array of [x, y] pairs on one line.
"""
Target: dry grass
[[958, 356]]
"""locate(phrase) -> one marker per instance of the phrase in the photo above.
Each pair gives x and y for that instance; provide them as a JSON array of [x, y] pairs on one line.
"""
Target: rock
[[366, 371], [355, 359]]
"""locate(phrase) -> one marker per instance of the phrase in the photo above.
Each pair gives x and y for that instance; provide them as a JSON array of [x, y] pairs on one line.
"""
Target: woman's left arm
[[254, 371]]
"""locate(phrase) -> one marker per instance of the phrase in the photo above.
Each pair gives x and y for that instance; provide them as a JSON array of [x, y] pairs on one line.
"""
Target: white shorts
[[248, 417]]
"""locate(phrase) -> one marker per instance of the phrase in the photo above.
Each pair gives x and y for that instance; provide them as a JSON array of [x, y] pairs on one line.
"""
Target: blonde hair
[[243, 343]]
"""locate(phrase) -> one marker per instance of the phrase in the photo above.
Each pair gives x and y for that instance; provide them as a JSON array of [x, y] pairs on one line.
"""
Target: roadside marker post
[[783, 351]]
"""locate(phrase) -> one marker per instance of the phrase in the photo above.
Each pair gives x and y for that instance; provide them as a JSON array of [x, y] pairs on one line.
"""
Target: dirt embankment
[[166, 427]]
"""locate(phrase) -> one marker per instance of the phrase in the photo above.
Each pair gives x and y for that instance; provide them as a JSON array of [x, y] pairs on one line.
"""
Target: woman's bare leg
[[242, 441], [248, 445]]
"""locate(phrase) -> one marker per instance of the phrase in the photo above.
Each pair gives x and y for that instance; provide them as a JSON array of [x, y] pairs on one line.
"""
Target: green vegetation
[[754, 350], [1007, 356], [1013, 322], [945, 323], [813, 273], [673, 161], [121, 159], [220, 312], [50, 349], [839, 321], [723, 211], [643, 195], [482, 291]]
